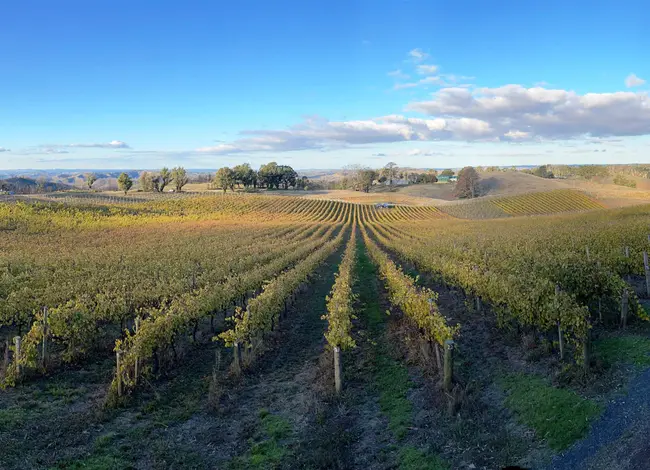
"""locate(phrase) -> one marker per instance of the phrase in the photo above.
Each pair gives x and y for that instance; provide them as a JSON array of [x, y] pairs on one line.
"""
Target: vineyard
[[537, 203], [260, 330]]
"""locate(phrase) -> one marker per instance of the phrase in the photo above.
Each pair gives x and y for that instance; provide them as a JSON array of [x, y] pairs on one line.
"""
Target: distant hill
[[21, 185]]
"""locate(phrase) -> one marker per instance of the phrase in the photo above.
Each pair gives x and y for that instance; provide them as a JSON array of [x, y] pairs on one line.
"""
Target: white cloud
[[401, 86], [427, 69], [114, 144], [442, 80], [517, 135], [422, 153], [320, 134], [544, 113], [48, 149], [418, 55], [398, 74], [510, 113], [3, 149], [632, 80]]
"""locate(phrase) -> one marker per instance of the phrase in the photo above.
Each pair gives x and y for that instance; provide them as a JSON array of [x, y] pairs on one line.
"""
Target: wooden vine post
[[45, 334], [118, 374], [137, 361], [6, 358], [560, 333], [646, 265], [449, 365], [338, 370], [586, 351], [237, 359], [588, 253], [625, 302], [17, 340]]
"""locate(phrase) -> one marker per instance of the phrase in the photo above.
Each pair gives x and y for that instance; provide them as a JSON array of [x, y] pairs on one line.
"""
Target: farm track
[[618, 440]]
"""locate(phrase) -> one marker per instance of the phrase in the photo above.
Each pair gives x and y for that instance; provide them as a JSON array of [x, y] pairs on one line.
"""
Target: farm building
[[447, 179]]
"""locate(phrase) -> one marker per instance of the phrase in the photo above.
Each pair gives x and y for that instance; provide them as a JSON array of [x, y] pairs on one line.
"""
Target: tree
[[245, 175], [622, 180], [124, 183], [431, 176], [90, 179], [592, 171], [179, 177], [543, 172], [40, 184], [225, 179], [270, 176], [288, 176], [147, 181], [390, 172], [275, 176], [363, 179], [468, 183], [302, 183], [164, 178], [449, 173]]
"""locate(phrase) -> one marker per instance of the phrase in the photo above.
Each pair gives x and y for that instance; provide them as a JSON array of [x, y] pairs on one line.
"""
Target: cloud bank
[[529, 113], [511, 113]]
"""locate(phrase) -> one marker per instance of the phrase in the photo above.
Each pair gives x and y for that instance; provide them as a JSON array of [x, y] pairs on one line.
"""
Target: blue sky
[[142, 84]]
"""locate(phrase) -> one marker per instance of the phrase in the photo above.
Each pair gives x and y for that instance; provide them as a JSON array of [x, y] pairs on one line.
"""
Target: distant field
[[547, 203], [373, 197], [477, 209]]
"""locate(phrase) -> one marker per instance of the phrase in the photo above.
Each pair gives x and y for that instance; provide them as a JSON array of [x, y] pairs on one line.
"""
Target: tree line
[[150, 181], [270, 176]]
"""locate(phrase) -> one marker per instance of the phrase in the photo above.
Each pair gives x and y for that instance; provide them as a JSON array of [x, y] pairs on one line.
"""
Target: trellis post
[[449, 365], [338, 370]]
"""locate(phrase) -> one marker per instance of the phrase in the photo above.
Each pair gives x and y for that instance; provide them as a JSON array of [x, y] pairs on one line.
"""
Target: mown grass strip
[[624, 349], [557, 415], [391, 378], [411, 458], [268, 449]]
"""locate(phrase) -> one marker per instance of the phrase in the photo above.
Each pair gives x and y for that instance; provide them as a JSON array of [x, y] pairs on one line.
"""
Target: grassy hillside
[[29, 186]]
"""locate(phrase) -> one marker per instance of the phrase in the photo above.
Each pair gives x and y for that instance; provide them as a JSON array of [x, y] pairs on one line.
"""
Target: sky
[[141, 84]]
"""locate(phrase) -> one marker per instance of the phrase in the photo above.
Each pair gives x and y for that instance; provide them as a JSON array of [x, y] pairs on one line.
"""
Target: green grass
[[393, 383], [411, 458], [267, 450], [557, 415], [624, 349], [275, 426], [12, 417], [101, 462], [390, 377]]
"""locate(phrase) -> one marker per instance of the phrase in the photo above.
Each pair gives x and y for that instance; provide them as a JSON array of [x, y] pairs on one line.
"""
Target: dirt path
[[618, 440]]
